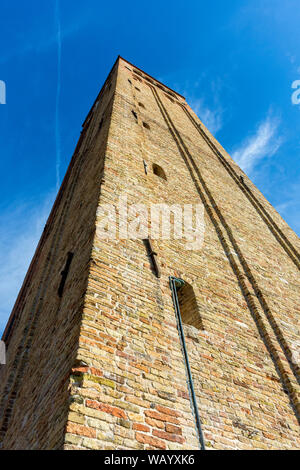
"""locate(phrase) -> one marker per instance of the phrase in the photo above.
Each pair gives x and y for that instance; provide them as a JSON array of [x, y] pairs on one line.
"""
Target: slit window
[[158, 171], [134, 114], [141, 105], [146, 125], [64, 274], [189, 309], [171, 99]]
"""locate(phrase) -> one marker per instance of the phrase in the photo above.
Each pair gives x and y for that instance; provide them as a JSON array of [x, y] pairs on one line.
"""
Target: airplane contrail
[[57, 123]]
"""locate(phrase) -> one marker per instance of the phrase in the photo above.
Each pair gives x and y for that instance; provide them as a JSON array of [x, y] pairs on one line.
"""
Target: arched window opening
[[158, 171], [188, 306], [141, 105]]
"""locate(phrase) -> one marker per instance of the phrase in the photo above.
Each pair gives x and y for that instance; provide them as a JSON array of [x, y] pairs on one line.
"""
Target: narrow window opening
[[130, 81], [149, 80], [153, 256], [134, 114], [137, 88], [141, 105], [127, 68], [146, 125], [101, 123], [189, 308], [65, 273], [172, 94], [158, 171], [171, 99]]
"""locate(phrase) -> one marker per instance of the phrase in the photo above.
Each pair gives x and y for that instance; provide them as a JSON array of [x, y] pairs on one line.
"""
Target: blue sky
[[234, 61]]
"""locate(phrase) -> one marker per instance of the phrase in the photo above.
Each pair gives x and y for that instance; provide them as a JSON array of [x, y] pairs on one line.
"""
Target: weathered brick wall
[[133, 388], [128, 384], [42, 347]]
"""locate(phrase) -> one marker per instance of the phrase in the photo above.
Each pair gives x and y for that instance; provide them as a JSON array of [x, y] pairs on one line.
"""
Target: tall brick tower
[[142, 343]]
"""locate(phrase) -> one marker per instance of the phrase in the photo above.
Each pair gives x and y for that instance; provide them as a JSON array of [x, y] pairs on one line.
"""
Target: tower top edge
[[150, 76]]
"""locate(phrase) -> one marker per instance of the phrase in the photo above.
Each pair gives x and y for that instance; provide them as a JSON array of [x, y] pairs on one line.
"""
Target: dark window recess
[[153, 256], [130, 81], [146, 125], [109, 86], [172, 94], [171, 99], [101, 123], [141, 105], [189, 308], [158, 171], [135, 114], [64, 274], [127, 68], [137, 88], [149, 80]]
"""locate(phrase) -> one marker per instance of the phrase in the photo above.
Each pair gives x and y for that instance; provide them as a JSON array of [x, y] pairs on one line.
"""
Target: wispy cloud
[[204, 95], [21, 228], [211, 118], [264, 143]]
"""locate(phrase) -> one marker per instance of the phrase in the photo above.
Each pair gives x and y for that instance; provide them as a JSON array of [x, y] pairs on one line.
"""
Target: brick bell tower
[[141, 343]]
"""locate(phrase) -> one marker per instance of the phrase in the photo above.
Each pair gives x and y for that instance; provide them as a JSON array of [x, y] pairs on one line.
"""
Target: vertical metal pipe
[[173, 281]]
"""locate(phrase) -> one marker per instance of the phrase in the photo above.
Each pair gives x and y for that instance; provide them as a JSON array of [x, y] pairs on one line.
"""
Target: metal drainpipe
[[173, 281]]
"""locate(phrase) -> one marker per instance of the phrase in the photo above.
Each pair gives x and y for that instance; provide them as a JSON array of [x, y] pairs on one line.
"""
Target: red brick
[[119, 413], [173, 429], [140, 427], [154, 423], [146, 439], [161, 417], [81, 430], [97, 372], [167, 436], [167, 411]]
